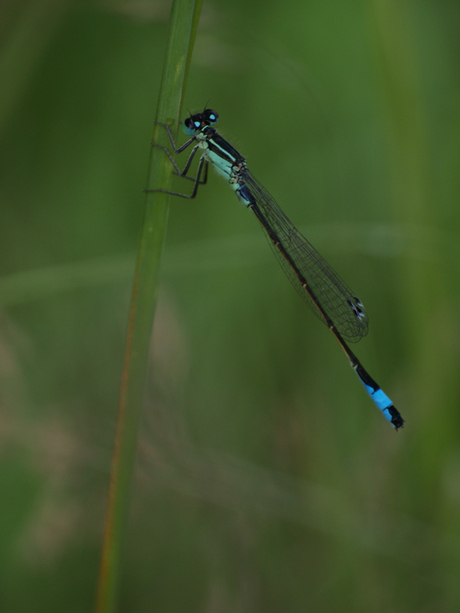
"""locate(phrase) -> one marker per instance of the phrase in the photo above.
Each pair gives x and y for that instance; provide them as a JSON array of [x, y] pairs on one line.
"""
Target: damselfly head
[[195, 123]]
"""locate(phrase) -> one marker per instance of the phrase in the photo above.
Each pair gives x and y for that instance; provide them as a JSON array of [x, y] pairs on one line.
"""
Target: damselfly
[[320, 286]]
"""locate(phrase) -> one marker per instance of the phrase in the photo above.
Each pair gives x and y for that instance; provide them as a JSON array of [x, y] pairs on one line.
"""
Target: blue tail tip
[[395, 417]]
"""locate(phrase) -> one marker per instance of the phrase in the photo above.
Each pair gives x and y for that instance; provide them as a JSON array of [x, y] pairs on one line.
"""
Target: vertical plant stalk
[[183, 25]]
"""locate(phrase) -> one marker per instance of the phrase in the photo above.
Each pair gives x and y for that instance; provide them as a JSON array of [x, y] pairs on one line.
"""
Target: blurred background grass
[[266, 479]]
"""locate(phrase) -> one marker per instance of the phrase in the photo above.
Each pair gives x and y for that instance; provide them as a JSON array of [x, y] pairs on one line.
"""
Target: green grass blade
[[184, 21]]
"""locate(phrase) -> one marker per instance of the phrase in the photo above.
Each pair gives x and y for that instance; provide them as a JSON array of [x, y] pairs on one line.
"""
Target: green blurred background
[[266, 479]]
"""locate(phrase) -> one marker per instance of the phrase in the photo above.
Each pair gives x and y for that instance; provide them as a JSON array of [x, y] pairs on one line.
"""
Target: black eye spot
[[210, 116]]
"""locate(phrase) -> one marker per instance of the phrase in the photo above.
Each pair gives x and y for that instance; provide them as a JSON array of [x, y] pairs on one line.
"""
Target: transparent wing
[[340, 303]]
